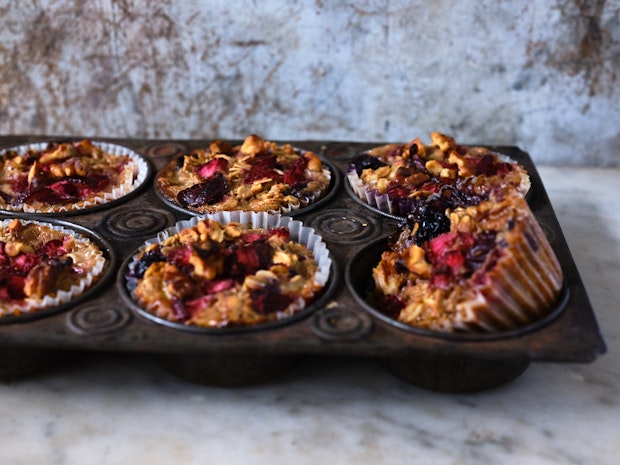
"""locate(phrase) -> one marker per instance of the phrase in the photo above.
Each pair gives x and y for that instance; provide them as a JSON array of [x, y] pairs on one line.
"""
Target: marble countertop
[[119, 409]]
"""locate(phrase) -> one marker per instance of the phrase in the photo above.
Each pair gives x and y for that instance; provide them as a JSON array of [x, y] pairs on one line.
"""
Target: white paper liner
[[382, 201], [61, 297], [133, 179]]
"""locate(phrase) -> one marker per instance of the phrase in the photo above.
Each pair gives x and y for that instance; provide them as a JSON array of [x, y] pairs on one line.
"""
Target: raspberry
[[250, 258], [282, 233], [263, 168], [53, 248]]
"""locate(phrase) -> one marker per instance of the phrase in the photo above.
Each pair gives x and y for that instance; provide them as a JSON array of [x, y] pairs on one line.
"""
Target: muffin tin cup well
[[339, 323], [398, 209], [298, 232], [319, 199], [144, 172], [101, 281], [446, 372], [358, 277], [18, 361]]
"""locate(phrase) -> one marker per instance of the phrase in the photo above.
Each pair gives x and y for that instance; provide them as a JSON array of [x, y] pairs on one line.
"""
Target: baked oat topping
[[413, 174], [218, 275], [257, 175], [63, 176], [41, 266], [470, 277]]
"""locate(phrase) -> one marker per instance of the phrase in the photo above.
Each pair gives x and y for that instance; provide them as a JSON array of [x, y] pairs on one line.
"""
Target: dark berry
[[269, 299], [262, 168], [296, 174], [249, 258], [138, 268], [208, 192], [365, 161]]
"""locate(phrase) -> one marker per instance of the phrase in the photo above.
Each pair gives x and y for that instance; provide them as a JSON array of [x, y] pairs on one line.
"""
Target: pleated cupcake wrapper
[[371, 196], [132, 180], [61, 297], [316, 195], [298, 233], [521, 288]]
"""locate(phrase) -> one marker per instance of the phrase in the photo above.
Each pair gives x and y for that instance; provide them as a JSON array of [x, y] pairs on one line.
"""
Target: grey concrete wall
[[543, 75]]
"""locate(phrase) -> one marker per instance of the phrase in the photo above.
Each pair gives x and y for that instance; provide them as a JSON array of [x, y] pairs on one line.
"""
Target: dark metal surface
[[339, 325]]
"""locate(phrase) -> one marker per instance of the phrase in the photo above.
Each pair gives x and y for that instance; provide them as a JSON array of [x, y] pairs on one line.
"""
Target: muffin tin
[[340, 322]]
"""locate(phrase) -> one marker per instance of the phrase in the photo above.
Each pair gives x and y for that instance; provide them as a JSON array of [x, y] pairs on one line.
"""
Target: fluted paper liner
[[520, 289]]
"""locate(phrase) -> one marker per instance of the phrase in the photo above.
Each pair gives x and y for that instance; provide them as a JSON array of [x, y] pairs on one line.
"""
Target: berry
[[208, 192], [365, 161], [296, 174], [217, 165], [263, 168], [269, 299]]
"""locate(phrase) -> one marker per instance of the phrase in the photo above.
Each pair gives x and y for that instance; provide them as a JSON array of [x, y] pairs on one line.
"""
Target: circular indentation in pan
[[104, 278], [142, 222], [343, 225], [358, 278], [98, 319], [341, 324], [165, 149]]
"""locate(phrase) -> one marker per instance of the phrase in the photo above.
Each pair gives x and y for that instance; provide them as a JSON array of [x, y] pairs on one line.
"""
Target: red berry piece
[[296, 174], [217, 165], [263, 168]]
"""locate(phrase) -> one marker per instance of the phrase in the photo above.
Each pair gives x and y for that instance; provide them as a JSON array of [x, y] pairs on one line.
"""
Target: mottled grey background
[[541, 74]]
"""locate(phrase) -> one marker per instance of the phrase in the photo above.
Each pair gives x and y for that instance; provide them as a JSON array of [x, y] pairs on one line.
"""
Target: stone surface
[[540, 75]]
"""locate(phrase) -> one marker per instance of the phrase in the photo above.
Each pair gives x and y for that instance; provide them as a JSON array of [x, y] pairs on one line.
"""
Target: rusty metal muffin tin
[[340, 323]]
